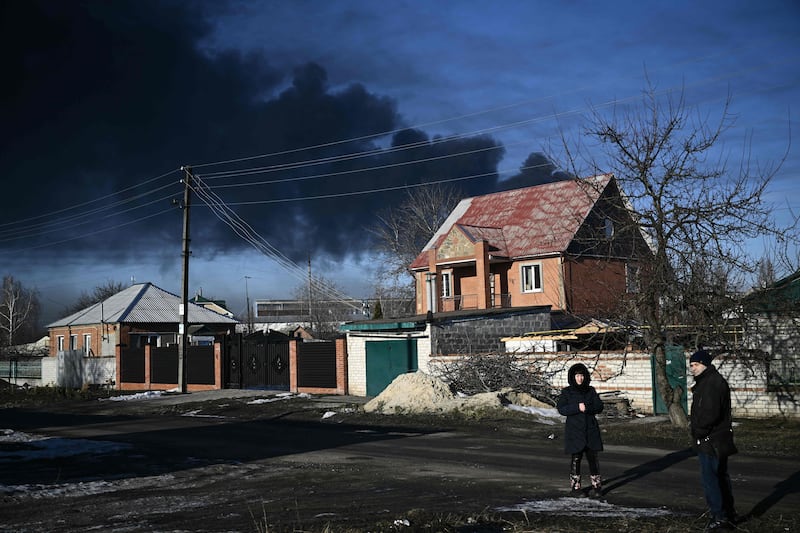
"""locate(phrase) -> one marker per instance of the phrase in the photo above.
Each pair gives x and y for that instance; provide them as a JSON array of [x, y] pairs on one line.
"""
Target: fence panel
[[316, 364], [164, 364], [199, 365], [131, 365]]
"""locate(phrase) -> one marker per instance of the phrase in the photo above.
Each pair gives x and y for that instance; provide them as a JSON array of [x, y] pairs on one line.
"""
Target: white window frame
[[87, 343], [73, 341], [60, 343], [531, 279], [447, 284]]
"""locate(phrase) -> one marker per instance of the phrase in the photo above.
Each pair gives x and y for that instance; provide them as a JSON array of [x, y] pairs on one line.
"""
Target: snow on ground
[[278, 397], [146, 395], [18, 446], [583, 507]]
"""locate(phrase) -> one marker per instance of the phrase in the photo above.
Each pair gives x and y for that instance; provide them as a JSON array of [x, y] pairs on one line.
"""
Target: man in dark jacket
[[712, 435], [580, 403]]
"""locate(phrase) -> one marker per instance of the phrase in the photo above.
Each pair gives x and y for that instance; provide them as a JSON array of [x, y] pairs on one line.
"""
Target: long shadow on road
[[790, 485], [645, 469], [168, 444]]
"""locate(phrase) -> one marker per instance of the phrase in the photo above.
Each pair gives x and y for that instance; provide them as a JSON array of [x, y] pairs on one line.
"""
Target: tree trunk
[[670, 396], [677, 416]]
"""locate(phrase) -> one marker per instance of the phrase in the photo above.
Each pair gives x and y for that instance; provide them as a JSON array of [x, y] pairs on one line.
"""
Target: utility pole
[[249, 311], [183, 310], [310, 313]]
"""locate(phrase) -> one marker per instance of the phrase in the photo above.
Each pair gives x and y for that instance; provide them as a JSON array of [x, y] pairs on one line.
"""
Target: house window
[[60, 343], [87, 344], [609, 228], [631, 278], [73, 342], [147, 339], [532, 278], [447, 286]]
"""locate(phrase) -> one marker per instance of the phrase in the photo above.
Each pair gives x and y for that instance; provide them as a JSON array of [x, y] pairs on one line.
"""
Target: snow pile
[[420, 393]]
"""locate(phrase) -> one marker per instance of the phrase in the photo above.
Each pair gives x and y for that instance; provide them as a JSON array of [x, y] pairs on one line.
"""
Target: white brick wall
[[631, 374], [357, 355]]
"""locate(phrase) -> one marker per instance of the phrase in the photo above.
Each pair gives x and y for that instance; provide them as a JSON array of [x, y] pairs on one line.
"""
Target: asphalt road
[[223, 472]]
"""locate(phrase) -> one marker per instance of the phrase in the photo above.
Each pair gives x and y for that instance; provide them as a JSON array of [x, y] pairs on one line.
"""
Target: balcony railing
[[470, 301]]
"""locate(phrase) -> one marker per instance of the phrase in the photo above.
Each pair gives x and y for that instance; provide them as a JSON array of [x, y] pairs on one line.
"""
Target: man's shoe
[[719, 525]]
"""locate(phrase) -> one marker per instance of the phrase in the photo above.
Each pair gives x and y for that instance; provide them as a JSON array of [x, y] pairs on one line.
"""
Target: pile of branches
[[490, 372]]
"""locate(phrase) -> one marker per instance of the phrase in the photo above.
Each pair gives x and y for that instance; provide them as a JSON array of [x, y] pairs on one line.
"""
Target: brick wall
[[630, 373], [483, 334]]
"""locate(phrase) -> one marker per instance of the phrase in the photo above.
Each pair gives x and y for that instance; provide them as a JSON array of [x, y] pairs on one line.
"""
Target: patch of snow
[[196, 413], [328, 414], [84, 488], [39, 447], [584, 507], [145, 395], [279, 397], [546, 415]]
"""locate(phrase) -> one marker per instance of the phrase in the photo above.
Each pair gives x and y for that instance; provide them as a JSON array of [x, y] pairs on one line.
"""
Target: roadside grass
[[417, 520], [14, 396]]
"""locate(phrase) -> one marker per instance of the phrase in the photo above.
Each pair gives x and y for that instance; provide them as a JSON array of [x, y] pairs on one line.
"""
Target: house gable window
[[531, 276], [631, 278], [447, 285], [608, 228]]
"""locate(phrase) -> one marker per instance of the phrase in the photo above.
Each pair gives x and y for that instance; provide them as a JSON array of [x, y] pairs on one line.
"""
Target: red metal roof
[[527, 222]]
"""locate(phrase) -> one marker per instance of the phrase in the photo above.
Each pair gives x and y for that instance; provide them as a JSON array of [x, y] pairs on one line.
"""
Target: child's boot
[[597, 486], [575, 485]]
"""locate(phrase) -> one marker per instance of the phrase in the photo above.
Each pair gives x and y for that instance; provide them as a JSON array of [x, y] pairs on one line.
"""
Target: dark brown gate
[[258, 361], [316, 364]]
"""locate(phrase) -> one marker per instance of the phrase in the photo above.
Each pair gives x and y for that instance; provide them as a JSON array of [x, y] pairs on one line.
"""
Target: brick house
[[571, 245], [139, 315]]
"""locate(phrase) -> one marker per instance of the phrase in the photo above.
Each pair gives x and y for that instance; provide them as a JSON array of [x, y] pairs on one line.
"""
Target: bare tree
[[401, 232], [98, 294], [19, 313], [326, 307], [696, 212]]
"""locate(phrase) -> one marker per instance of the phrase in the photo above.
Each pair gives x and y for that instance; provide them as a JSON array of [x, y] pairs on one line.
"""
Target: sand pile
[[417, 392]]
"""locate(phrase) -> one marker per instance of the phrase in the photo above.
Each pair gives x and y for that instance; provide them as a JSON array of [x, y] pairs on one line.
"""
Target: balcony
[[470, 301]]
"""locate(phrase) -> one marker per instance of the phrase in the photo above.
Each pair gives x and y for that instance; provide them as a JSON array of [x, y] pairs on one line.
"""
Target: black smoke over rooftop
[[101, 97]]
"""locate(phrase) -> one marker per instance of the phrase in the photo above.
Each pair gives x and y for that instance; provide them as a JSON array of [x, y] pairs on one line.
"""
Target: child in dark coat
[[580, 403]]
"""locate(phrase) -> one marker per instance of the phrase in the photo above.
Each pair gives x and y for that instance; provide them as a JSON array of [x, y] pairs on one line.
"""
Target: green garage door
[[388, 359]]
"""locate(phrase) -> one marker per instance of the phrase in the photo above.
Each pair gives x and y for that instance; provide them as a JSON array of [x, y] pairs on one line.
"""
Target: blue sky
[[108, 100]]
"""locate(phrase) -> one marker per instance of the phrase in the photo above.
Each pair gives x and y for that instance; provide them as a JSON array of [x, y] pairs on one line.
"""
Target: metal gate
[[387, 359], [257, 361]]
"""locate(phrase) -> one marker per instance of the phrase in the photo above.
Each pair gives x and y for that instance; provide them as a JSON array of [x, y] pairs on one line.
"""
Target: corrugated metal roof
[[139, 304], [528, 222]]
